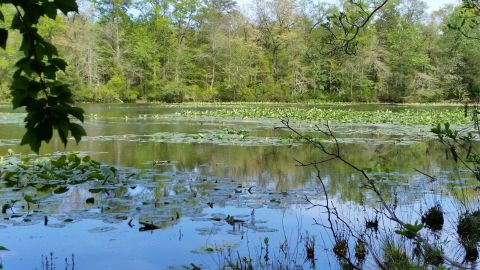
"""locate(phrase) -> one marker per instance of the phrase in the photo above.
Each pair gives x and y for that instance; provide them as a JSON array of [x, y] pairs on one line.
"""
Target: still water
[[201, 171]]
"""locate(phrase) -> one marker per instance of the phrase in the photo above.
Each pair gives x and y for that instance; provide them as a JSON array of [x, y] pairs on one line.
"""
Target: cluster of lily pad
[[35, 178], [35, 189], [343, 115]]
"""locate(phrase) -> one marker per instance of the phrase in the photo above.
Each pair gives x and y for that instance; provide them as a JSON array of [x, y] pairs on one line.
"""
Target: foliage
[[53, 174], [35, 86], [395, 256], [410, 231], [32, 178], [318, 115], [468, 227], [433, 218]]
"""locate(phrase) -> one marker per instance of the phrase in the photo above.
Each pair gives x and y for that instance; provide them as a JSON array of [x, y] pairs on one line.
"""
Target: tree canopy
[[192, 50]]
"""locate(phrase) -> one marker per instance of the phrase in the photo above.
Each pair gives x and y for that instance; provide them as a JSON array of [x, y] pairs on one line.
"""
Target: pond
[[214, 185]]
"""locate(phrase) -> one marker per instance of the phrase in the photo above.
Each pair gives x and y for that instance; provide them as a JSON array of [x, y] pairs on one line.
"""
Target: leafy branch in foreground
[[48, 101], [410, 231]]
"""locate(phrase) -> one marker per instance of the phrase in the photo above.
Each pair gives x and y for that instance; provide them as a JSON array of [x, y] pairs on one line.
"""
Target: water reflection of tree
[[425, 251]]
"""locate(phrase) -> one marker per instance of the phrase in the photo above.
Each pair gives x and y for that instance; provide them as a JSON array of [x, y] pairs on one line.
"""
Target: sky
[[432, 4], [437, 4]]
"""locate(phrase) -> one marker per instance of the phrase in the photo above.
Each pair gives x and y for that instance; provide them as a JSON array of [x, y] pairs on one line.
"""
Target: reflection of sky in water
[[126, 248], [278, 188]]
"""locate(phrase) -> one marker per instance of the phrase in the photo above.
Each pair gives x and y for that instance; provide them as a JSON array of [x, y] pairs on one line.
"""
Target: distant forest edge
[[207, 50]]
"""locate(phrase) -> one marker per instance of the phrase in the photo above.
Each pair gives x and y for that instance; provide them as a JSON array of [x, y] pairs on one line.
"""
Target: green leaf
[[50, 49], [77, 131], [65, 97], [74, 165], [107, 172], [33, 12], [73, 158], [7, 176], [50, 9], [2, 248], [66, 5], [31, 139], [77, 113], [60, 161], [5, 207], [96, 175], [60, 190], [44, 130], [50, 71], [16, 22], [3, 38], [63, 128], [29, 199], [26, 45], [59, 62], [1, 16], [22, 63], [90, 200]]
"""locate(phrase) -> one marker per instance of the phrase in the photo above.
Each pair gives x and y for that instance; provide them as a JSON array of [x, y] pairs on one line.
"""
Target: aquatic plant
[[340, 115], [410, 231], [54, 173], [310, 248], [341, 247], [468, 227], [433, 218], [471, 251], [395, 256], [270, 258], [361, 250], [433, 256]]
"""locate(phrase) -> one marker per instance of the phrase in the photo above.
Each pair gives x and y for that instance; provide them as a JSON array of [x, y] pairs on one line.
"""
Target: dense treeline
[[207, 50]]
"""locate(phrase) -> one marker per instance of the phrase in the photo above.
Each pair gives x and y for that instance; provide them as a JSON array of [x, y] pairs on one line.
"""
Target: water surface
[[199, 171]]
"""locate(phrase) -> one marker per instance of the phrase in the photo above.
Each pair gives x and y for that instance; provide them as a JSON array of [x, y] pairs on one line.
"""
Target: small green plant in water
[[310, 248], [410, 231], [395, 257], [361, 250], [468, 230], [341, 248], [433, 256], [266, 257], [433, 218], [468, 227]]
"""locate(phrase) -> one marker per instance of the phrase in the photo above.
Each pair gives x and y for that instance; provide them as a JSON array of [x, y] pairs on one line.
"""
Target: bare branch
[[370, 183]]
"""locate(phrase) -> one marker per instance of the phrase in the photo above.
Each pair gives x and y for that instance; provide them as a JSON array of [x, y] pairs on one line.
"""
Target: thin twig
[[432, 178], [390, 213]]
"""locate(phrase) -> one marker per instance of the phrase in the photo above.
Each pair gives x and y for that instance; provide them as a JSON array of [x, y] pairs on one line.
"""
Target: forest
[[215, 50]]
